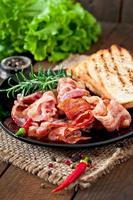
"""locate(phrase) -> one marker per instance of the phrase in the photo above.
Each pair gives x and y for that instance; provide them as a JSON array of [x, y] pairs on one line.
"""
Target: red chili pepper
[[24, 129], [80, 169], [27, 124]]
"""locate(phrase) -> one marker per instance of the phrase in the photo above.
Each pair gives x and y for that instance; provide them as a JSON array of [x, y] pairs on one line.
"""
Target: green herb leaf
[[42, 81]]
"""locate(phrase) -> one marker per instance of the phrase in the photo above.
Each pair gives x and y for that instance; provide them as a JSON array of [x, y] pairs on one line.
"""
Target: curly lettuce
[[62, 28], [15, 16], [48, 29]]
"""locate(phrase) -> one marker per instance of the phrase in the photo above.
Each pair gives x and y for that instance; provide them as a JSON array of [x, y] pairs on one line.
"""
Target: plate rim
[[70, 146]]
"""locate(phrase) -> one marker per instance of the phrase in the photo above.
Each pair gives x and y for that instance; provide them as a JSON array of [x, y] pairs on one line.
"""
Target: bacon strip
[[68, 88], [58, 130], [73, 107], [43, 109], [78, 111], [38, 107], [66, 135], [20, 105], [112, 114]]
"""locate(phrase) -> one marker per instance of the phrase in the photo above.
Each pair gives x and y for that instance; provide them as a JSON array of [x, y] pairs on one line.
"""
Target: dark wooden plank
[[16, 184], [112, 33], [122, 35], [116, 185], [103, 10], [127, 11], [107, 30], [3, 167]]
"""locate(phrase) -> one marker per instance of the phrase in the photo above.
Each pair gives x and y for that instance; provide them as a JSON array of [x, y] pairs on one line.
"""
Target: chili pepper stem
[[20, 132], [23, 130], [86, 159]]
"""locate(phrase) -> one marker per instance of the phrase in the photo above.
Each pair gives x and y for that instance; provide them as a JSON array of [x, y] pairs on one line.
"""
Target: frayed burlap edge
[[35, 160]]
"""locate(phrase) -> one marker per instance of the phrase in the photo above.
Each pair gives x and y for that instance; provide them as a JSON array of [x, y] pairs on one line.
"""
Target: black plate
[[99, 137]]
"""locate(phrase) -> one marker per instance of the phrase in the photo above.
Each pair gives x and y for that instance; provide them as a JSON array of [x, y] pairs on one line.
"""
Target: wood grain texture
[[116, 185], [16, 184], [122, 35], [3, 167], [127, 11], [103, 10], [107, 30]]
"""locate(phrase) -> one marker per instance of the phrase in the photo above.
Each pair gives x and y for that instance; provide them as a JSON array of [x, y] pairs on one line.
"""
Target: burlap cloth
[[37, 160]]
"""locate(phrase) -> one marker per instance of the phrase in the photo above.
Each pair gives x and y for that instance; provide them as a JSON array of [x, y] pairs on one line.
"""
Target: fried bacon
[[79, 110], [66, 135], [73, 107], [68, 88], [20, 105], [110, 113], [38, 107], [56, 131], [42, 109]]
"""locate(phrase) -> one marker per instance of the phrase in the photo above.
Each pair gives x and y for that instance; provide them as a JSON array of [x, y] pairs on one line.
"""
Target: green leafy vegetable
[[49, 29], [63, 27], [15, 16], [42, 81]]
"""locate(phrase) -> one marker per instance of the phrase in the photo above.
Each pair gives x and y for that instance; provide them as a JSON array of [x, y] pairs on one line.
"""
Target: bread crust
[[108, 73]]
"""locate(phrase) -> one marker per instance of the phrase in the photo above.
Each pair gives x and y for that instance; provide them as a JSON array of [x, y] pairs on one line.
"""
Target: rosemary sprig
[[42, 81]]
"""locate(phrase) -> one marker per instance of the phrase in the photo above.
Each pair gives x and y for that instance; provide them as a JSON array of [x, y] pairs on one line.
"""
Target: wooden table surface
[[16, 184]]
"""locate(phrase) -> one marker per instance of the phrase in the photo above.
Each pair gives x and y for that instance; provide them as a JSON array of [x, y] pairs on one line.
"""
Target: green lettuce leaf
[[62, 28], [15, 16], [48, 29]]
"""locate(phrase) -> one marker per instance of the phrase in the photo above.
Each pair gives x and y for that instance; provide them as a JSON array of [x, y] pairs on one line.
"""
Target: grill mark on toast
[[107, 70], [98, 70], [130, 75], [129, 71], [109, 66], [91, 81], [116, 68], [105, 65], [116, 57], [80, 76]]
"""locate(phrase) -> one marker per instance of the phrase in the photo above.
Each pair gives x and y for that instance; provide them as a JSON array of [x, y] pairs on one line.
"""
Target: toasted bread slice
[[108, 73]]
